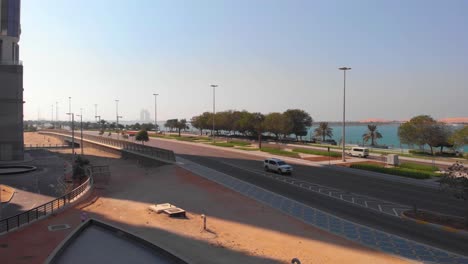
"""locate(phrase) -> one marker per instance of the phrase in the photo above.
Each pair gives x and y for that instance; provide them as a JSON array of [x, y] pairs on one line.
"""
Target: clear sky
[[408, 57]]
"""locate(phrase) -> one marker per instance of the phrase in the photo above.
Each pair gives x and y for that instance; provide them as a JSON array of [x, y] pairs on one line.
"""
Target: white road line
[[365, 203], [380, 208], [395, 211]]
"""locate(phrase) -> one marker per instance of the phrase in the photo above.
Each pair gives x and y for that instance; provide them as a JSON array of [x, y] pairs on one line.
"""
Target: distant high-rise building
[[11, 82], [145, 116]]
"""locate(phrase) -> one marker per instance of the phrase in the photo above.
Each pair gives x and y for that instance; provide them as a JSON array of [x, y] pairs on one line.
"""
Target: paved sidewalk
[[355, 232]]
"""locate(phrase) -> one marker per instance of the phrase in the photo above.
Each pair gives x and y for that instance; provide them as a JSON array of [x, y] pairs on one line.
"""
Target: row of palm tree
[[324, 130]]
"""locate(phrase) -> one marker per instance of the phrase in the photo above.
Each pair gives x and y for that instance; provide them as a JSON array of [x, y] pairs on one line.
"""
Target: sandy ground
[[35, 138], [240, 230], [6, 192]]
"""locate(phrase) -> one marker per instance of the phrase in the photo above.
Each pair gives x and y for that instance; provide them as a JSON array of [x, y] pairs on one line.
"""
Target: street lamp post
[[52, 116], [117, 116], [155, 113], [56, 114], [95, 112], [81, 129], [73, 133], [214, 112], [344, 69], [69, 108]]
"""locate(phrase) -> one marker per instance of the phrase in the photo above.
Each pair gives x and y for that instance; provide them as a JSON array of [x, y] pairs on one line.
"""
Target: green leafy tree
[[456, 183], [147, 126], [201, 122], [422, 130], [276, 123], [142, 136], [79, 168], [460, 137], [323, 130], [103, 124], [182, 124], [171, 124], [298, 121], [371, 134]]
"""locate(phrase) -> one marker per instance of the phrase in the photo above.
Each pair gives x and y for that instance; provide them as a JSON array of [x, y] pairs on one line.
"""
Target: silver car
[[277, 165]]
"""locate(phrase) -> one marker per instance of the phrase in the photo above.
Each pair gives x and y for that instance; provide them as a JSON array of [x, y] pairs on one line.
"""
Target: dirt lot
[[34, 138]]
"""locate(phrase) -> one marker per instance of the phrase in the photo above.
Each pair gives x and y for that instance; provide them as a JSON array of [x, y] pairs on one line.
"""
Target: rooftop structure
[[97, 242]]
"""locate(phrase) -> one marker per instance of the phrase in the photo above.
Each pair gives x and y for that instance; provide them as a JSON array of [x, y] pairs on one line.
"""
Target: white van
[[359, 152]]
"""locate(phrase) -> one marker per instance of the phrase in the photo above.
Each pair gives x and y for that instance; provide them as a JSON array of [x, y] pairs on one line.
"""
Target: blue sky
[[408, 57]]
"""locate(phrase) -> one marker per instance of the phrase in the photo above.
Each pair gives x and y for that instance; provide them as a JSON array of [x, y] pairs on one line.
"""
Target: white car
[[277, 165], [359, 152]]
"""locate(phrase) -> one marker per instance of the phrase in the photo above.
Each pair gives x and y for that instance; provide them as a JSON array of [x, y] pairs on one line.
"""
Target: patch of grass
[[317, 152], [190, 139], [239, 143], [280, 152], [222, 144], [416, 166], [324, 145], [410, 173], [248, 149]]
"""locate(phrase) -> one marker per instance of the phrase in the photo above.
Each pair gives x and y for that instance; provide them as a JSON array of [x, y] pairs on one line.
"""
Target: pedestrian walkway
[[355, 232]]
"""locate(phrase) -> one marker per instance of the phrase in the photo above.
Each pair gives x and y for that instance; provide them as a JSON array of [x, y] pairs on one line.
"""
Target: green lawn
[[410, 173], [248, 149], [222, 144], [416, 166], [280, 152], [317, 152], [239, 143]]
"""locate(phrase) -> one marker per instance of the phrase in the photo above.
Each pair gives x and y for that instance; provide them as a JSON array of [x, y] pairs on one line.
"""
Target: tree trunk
[[372, 141], [260, 140], [432, 151], [179, 131], [323, 137]]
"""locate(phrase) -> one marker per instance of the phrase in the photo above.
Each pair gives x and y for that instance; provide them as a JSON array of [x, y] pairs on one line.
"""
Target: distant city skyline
[[407, 57]]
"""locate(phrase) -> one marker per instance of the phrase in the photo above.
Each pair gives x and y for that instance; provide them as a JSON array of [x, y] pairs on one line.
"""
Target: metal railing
[[39, 146], [16, 221], [158, 153]]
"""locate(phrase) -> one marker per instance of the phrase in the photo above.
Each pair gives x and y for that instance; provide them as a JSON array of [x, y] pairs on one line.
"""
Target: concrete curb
[[452, 230]]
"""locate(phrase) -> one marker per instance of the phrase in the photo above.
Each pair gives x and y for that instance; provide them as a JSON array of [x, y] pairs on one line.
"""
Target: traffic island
[[444, 222]]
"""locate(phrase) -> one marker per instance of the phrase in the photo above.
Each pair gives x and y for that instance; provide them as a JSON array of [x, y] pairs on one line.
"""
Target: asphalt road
[[243, 166]]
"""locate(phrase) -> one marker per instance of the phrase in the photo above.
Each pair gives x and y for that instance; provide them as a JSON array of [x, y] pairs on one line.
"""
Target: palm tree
[[324, 130], [372, 134]]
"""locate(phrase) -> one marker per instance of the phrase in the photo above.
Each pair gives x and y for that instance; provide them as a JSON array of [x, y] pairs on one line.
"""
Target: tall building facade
[[11, 82], [144, 116]]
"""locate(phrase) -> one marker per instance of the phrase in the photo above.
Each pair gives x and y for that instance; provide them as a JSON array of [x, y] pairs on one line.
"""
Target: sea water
[[354, 135]]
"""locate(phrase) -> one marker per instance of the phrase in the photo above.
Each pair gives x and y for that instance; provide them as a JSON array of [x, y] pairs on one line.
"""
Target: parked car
[[359, 152], [277, 165]]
